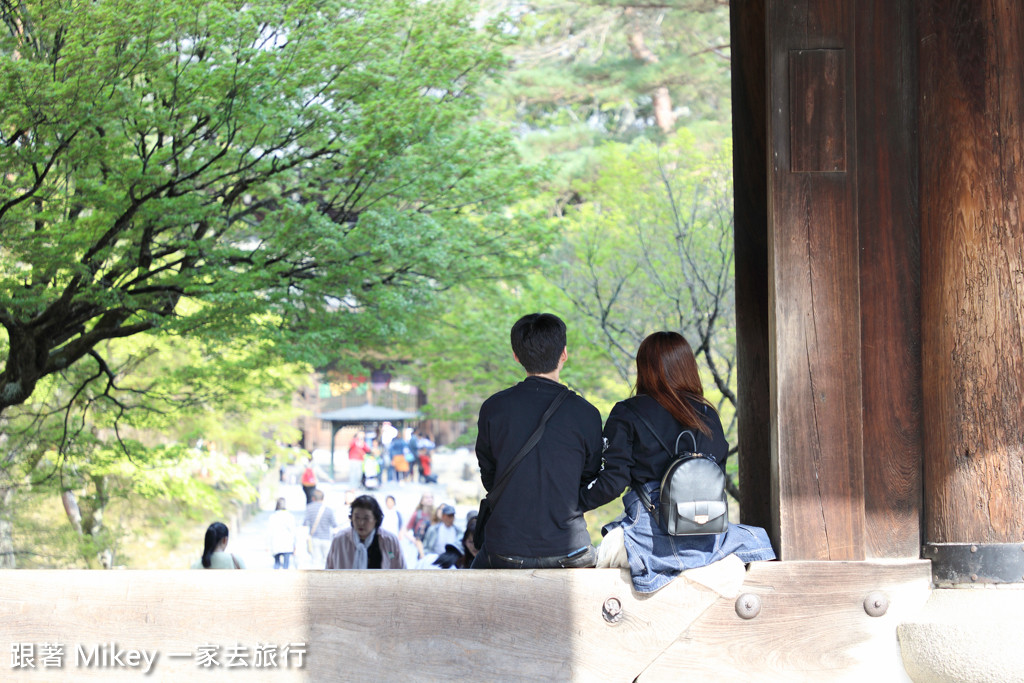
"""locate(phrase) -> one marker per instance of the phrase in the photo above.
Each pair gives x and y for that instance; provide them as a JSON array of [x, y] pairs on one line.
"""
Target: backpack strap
[[644, 498]]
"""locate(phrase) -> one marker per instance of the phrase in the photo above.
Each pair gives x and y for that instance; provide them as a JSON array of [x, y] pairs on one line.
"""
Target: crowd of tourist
[[358, 532], [391, 455]]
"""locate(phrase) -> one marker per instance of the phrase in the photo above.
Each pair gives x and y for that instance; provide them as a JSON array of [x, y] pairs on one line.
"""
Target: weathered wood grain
[[890, 276], [441, 626], [814, 330], [354, 626], [972, 244], [830, 383], [812, 626], [817, 109]]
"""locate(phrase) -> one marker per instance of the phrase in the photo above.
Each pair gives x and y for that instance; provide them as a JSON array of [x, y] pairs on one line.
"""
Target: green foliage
[[590, 70], [198, 199], [649, 248], [124, 440], [465, 356], [311, 172], [643, 215]]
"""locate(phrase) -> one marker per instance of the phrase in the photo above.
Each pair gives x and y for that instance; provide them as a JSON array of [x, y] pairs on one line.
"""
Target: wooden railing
[[805, 621]]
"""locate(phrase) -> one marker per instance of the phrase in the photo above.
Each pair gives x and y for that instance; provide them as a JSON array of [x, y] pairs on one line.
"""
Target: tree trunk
[[664, 116], [6, 531], [71, 510]]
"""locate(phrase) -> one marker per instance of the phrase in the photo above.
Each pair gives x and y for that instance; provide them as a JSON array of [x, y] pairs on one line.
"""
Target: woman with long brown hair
[[669, 395]]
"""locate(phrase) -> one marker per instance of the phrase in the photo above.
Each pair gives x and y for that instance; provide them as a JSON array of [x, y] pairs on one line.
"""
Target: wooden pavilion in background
[[366, 416]]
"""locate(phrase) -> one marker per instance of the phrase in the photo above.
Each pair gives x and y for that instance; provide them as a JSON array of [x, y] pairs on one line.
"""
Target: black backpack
[[692, 494]]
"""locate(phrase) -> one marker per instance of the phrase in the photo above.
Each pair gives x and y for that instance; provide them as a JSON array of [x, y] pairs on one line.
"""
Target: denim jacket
[[655, 558]]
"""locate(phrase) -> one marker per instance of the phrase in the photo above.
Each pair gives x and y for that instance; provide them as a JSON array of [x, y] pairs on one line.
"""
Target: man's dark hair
[[538, 340]]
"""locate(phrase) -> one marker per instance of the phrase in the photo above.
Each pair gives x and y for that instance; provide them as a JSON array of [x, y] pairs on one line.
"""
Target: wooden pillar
[[750, 130], [828, 276], [972, 244], [814, 327], [888, 225]]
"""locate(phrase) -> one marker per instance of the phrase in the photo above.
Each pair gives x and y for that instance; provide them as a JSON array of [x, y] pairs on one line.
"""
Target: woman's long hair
[[666, 370], [424, 506], [215, 533]]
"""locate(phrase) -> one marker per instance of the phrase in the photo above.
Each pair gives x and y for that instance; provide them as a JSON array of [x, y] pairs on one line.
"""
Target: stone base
[[966, 635]]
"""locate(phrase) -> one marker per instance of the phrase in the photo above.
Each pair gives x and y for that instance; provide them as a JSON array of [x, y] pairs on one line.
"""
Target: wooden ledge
[[813, 625], [438, 625]]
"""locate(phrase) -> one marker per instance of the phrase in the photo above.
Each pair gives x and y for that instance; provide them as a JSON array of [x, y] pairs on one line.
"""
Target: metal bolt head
[[876, 604], [748, 605], [612, 610]]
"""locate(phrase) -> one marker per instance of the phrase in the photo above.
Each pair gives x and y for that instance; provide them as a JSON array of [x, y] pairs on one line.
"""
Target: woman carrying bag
[[669, 400]]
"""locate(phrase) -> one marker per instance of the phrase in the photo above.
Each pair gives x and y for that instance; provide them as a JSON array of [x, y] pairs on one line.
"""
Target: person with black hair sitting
[[215, 555], [365, 545], [536, 442]]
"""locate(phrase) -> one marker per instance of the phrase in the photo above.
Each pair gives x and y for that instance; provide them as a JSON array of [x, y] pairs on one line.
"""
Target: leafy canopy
[[310, 171]]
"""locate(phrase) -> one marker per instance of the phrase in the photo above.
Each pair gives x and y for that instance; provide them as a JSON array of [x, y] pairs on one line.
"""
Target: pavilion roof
[[365, 414]]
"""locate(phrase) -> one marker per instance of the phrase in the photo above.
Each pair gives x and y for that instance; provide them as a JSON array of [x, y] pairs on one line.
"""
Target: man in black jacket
[[537, 521]]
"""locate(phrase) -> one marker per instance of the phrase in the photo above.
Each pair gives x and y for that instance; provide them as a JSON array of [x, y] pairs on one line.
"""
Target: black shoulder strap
[[657, 436], [495, 493], [644, 498]]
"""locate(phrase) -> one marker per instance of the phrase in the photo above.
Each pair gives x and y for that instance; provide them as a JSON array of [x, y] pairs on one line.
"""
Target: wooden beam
[[812, 626], [828, 339], [351, 625], [890, 276], [814, 325], [750, 165], [560, 625]]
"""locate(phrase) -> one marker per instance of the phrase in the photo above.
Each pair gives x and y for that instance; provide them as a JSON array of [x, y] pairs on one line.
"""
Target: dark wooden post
[[888, 224], [972, 243], [750, 131], [814, 332], [827, 276]]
